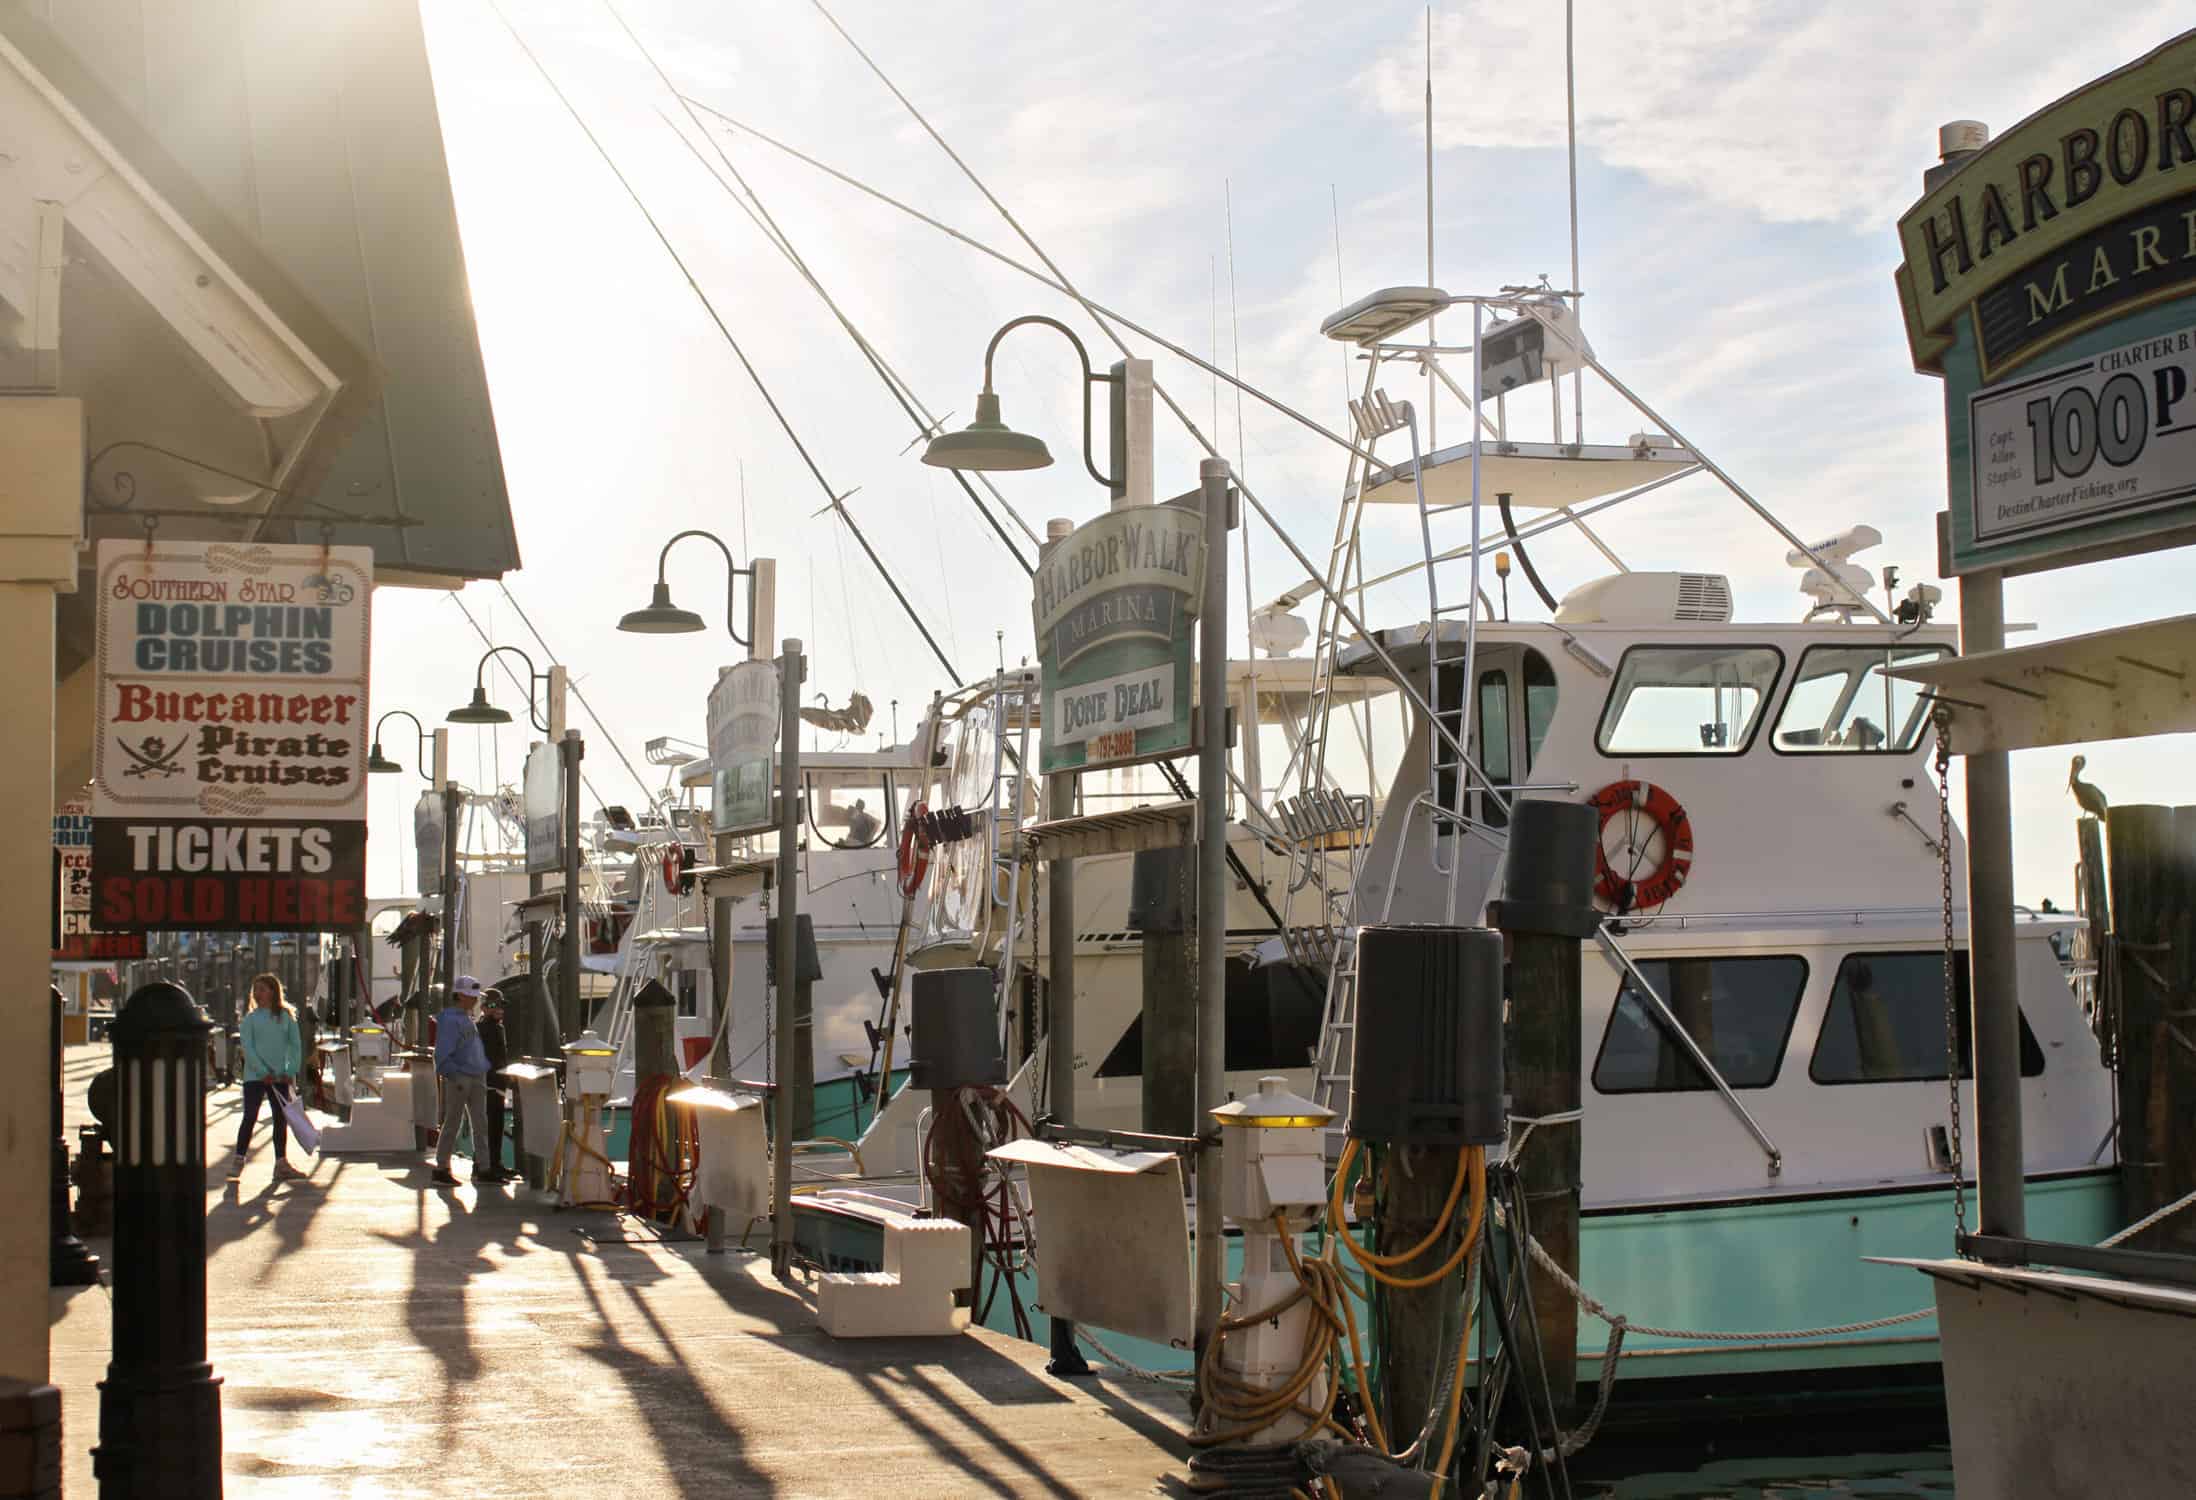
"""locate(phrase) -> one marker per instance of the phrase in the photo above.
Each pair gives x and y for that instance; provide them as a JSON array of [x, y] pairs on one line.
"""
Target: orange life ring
[[914, 848], [1627, 890], [674, 860]]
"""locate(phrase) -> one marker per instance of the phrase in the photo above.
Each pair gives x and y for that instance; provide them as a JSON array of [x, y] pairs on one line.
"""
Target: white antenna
[[1570, 112], [1433, 424]]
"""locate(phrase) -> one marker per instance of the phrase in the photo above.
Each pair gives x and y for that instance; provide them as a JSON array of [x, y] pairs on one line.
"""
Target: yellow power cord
[[1471, 1170]]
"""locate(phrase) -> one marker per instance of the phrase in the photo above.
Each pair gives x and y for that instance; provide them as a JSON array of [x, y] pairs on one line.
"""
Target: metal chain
[[1943, 718]]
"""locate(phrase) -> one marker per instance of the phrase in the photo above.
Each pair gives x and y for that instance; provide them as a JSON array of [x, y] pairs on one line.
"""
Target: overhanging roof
[[2112, 685], [301, 145]]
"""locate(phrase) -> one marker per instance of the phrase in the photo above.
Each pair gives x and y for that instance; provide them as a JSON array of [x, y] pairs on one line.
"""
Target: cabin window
[[848, 814], [1739, 1010], [1688, 700], [1540, 703], [1885, 1023], [1843, 700], [1273, 1017]]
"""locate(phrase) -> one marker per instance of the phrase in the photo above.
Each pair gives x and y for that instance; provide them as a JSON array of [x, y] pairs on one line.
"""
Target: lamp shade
[[662, 617], [987, 444], [378, 764], [479, 711]]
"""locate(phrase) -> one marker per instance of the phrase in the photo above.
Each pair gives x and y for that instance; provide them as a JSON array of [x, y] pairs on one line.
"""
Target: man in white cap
[[461, 1062]]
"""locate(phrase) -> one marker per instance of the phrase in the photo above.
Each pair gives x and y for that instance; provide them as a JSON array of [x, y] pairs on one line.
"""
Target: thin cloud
[[1752, 102]]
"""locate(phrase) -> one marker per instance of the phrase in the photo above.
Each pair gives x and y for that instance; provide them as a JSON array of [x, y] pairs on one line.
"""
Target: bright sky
[[1742, 163]]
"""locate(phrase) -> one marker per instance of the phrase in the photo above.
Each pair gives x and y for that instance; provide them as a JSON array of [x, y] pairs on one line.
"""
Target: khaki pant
[[464, 1095]]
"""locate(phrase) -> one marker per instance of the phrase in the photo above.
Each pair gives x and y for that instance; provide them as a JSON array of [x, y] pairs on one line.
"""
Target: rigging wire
[[511, 673], [1097, 310], [574, 688], [1106, 319], [926, 424], [1242, 467], [836, 500]]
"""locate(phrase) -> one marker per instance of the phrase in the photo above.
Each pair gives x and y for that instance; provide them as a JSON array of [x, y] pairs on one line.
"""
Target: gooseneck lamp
[[481, 711], [989, 445], [378, 764], [662, 617]]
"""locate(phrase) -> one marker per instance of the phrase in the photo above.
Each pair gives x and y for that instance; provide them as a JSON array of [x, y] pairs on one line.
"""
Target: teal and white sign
[[2111, 435], [2051, 281], [1114, 602], [542, 802], [743, 746]]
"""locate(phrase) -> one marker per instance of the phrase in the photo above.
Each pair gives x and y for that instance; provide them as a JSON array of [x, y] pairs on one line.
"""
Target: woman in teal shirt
[[272, 1056]]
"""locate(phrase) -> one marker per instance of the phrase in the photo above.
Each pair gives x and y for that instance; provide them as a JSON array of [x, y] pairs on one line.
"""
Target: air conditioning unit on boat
[[1648, 599]]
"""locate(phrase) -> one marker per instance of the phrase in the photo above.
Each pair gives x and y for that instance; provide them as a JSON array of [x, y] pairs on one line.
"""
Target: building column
[[41, 526]]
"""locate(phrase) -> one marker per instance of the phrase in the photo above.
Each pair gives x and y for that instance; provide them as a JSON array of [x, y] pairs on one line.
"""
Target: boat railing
[[1853, 916]]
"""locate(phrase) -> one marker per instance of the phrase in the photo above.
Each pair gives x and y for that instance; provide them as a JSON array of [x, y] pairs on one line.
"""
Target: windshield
[[1842, 699], [1688, 700]]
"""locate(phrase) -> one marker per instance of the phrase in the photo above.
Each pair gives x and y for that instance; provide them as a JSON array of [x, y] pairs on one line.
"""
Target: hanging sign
[[1113, 605], [229, 787], [427, 841], [543, 803], [2072, 235], [744, 716], [72, 857]]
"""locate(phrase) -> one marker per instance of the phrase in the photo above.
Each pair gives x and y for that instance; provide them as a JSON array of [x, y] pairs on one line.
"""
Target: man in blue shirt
[[462, 1065]]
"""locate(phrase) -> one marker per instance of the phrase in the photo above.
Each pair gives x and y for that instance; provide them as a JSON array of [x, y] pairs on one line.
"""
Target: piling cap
[[1273, 1107], [1961, 138], [156, 1009]]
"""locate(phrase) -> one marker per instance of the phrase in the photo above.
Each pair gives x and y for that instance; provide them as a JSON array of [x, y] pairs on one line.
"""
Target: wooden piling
[[1545, 1040], [1414, 1339], [2141, 843], [1163, 903]]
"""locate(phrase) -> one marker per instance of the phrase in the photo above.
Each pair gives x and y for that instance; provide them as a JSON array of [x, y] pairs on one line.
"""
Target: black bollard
[[160, 1405], [70, 1263]]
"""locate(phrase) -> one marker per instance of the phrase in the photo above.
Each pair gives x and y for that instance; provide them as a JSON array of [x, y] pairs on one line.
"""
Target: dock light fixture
[[662, 617], [990, 446], [378, 764], [481, 711]]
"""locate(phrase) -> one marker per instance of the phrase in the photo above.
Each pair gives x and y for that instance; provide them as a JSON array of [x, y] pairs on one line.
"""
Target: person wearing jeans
[[461, 1062], [273, 1053]]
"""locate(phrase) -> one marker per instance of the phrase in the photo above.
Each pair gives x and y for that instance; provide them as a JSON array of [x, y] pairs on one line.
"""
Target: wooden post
[[2097, 912], [1546, 913], [2141, 837], [1163, 897], [2179, 1083], [1414, 1183]]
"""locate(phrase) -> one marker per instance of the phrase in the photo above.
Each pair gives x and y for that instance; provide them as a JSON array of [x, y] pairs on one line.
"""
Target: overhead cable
[[831, 495]]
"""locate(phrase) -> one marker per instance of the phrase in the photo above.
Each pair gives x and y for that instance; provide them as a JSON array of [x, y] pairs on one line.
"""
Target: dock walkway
[[381, 1338]]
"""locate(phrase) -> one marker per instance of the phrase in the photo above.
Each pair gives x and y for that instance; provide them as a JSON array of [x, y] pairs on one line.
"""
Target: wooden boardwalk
[[380, 1338]]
